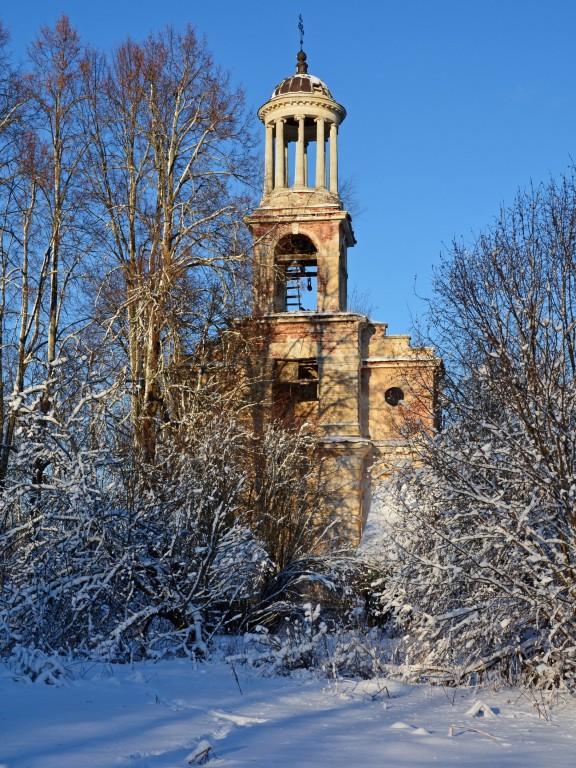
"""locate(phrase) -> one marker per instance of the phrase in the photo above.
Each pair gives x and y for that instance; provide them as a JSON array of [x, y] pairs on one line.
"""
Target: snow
[[162, 715]]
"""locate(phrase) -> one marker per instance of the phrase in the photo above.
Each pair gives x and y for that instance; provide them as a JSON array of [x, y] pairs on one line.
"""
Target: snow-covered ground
[[157, 715]]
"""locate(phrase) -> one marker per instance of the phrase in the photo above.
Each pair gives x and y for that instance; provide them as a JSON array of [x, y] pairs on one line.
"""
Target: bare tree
[[172, 160], [19, 307], [24, 279], [55, 87]]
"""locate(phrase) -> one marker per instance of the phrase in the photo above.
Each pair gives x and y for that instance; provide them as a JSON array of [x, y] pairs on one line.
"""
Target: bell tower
[[334, 369], [304, 268]]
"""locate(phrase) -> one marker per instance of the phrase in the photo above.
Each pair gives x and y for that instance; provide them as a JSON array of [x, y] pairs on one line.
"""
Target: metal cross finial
[[301, 28]]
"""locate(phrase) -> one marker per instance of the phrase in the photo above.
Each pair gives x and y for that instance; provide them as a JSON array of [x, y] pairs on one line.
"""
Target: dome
[[303, 83]]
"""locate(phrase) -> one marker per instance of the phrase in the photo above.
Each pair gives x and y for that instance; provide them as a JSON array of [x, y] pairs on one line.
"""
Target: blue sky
[[452, 105]]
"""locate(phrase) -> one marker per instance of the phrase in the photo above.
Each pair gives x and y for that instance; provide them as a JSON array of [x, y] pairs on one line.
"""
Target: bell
[[309, 284]]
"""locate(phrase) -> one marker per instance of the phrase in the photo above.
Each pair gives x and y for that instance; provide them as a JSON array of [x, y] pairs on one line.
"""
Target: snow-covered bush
[[315, 640], [480, 555], [122, 561], [193, 564], [96, 564], [34, 666], [475, 587], [299, 644], [57, 547]]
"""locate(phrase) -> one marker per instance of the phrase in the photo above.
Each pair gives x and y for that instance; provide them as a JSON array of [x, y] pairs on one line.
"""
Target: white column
[[320, 153], [269, 159], [279, 172], [334, 158], [299, 170]]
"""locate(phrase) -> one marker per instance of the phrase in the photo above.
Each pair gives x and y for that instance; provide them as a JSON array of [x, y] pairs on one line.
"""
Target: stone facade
[[362, 389]]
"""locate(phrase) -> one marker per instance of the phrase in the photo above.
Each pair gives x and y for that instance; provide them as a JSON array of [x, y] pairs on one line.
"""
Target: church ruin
[[361, 388]]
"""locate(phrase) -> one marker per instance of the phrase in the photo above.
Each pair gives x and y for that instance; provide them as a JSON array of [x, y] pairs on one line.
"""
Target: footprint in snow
[[238, 719]]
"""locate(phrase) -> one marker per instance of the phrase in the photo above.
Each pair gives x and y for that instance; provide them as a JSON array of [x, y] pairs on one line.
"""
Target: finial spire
[[301, 66]]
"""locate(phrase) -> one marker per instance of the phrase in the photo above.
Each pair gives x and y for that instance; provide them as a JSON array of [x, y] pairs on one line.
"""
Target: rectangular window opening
[[296, 381]]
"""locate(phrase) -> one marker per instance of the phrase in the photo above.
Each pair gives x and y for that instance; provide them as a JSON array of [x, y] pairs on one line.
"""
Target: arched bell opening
[[296, 266]]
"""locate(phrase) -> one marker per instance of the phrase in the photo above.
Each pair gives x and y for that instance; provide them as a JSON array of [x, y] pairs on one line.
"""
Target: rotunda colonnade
[[301, 111]]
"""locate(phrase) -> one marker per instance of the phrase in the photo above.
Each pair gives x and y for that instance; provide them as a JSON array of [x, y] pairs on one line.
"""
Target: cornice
[[303, 318], [285, 217], [317, 102]]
